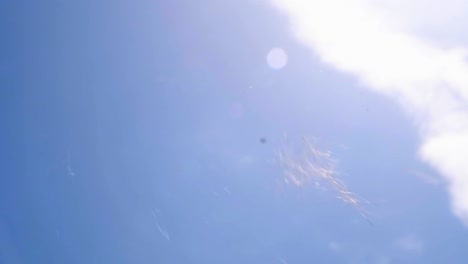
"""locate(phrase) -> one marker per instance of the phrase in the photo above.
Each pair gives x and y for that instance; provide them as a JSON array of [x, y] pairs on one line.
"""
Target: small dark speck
[[263, 140]]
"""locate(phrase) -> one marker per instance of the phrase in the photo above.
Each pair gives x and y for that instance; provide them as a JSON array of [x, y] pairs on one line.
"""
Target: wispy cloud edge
[[431, 83]]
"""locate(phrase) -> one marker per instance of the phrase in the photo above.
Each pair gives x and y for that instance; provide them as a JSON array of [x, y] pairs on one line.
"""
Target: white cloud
[[437, 15], [430, 82]]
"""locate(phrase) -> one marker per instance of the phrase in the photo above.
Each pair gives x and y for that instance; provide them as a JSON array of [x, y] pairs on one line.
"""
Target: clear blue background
[[119, 116]]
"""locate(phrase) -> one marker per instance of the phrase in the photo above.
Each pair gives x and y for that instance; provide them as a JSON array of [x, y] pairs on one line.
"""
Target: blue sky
[[130, 133]]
